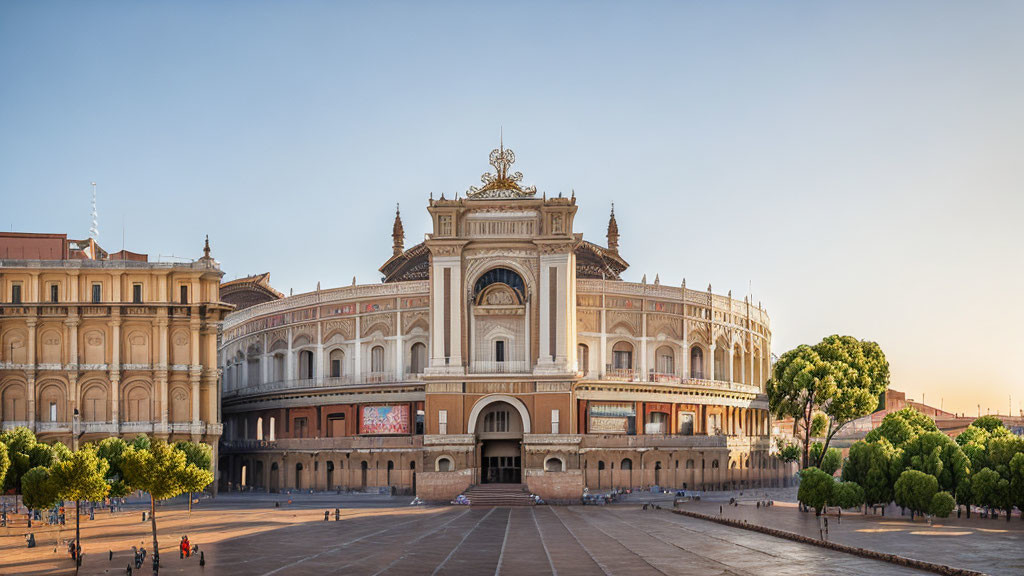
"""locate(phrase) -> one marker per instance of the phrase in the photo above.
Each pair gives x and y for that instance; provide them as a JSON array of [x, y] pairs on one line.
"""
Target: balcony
[[631, 375], [496, 367], [300, 384], [98, 427], [8, 425], [53, 427]]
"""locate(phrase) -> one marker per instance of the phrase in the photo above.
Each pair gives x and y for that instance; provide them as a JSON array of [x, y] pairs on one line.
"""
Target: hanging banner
[[384, 420], [612, 418]]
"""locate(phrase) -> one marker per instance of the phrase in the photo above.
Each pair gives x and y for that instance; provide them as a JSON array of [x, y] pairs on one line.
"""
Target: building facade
[[504, 348], [95, 344]]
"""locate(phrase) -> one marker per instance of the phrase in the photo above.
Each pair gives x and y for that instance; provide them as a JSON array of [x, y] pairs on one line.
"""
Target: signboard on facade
[[612, 418], [384, 419]]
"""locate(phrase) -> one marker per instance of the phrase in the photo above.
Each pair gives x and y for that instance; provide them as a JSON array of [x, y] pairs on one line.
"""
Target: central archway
[[499, 423]]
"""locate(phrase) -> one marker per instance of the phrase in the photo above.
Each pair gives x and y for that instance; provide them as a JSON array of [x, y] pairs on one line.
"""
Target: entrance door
[[501, 463], [502, 470]]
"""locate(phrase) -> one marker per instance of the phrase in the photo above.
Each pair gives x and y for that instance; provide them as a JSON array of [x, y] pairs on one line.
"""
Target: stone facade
[[504, 348], [95, 345]]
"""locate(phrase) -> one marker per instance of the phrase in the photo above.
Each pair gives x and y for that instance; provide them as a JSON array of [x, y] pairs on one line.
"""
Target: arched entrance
[[499, 428]]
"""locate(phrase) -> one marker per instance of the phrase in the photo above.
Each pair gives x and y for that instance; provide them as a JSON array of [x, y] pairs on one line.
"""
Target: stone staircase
[[498, 495]]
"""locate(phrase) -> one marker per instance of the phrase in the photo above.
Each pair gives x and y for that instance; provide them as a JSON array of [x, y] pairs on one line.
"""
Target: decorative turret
[[398, 233], [206, 251], [613, 232]]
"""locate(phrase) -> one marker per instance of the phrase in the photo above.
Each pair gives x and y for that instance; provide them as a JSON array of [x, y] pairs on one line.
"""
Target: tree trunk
[[78, 533], [152, 519], [807, 436]]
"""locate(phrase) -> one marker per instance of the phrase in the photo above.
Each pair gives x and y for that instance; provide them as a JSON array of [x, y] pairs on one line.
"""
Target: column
[[357, 360], [728, 369], [289, 361], [399, 360], [115, 371], [318, 371], [743, 366], [163, 326], [643, 346], [713, 347], [604, 340], [195, 369]]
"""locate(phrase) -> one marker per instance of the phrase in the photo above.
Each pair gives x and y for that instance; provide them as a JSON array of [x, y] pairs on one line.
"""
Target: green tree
[[1017, 482], [787, 451], [164, 472], [974, 440], [5, 463], [901, 427], [937, 454], [38, 491], [80, 476], [915, 490], [198, 454], [990, 489], [990, 424], [815, 489], [847, 495], [20, 444], [840, 377], [942, 505], [965, 495], [819, 425], [875, 467], [112, 450]]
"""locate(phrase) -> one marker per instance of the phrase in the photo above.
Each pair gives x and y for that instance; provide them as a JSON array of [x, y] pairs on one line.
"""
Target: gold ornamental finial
[[613, 232], [501, 184], [398, 233]]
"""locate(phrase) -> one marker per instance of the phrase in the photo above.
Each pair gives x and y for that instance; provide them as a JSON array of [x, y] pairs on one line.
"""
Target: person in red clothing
[[186, 547]]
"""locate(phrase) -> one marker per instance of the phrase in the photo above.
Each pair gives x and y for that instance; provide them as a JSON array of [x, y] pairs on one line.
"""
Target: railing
[[370, 378], [110, 264], [12, 424], [98, 427], [623, 374], [52, 426], [495, 367], [629, 375]]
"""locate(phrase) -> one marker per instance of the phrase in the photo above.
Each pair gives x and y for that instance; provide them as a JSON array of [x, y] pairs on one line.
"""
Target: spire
[[398, 233], [613, 232], [94, 230], [206, 248]]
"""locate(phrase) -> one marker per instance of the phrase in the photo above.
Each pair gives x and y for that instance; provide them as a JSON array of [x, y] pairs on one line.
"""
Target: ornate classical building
[[95, 344], [504, 348]]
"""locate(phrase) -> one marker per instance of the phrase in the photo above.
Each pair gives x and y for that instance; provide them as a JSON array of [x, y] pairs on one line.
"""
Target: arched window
[[306, 364], [666, 359], [689, 464], [418, 358], [696, 363], [553, 465], [583, 358], [377, 359], [626, 464], [259, 428], [600, 465], [622, 356], [273, 430], [337, 359], [444, 464]]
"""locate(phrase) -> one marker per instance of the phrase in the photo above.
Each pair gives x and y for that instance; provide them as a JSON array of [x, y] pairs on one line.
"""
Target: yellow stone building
[[95, 344], [506, 349]]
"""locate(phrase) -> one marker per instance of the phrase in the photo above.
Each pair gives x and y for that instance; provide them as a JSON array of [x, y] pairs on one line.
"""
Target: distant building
[[94, 344]]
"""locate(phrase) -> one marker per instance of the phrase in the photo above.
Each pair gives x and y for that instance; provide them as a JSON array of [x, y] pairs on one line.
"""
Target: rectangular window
[[499, 351], [622, 360], [554, 421], [335, 368], [184, 294], [53, 411], [301, 425], [54, 293], [97, 293], [137, 293], [16, 294], [420, 416], [442, 421]]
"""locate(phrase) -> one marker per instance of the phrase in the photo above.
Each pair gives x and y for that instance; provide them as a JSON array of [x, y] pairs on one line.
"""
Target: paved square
[[265, 541]]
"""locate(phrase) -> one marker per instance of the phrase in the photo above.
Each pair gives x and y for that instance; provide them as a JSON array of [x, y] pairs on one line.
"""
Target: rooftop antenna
[[94, 231]]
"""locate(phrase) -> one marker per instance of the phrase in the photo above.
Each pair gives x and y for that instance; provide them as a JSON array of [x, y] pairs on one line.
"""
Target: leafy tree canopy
[[942, 505], [937, 454], [37, 489], [80, 476], [112, 450], [847, 495], [163, 471], [840, 377], [990, 489], [902, 426], [787, 451], [875, 466], [915, 489], [815, 488], [5, 463]]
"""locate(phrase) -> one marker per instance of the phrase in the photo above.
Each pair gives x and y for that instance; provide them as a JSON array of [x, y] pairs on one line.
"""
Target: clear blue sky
[[859, 165]]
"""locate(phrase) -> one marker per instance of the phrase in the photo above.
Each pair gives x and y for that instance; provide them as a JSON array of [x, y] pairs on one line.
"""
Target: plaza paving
[[253, 537]]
